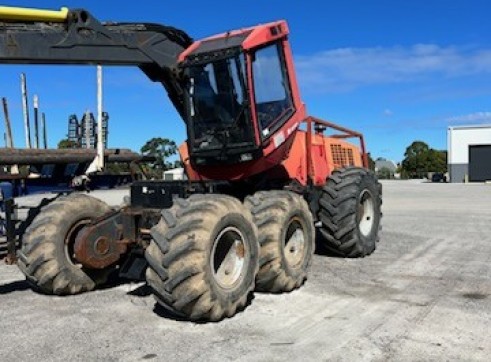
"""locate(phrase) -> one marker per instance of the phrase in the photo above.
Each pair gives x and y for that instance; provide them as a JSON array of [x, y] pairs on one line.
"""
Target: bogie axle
[[200, 250]]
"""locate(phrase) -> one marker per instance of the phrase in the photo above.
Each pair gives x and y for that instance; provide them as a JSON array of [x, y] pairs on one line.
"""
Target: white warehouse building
[[469, 153]]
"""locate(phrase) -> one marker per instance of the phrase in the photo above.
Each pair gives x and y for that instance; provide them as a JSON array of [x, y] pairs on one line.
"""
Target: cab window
[[271, 88]]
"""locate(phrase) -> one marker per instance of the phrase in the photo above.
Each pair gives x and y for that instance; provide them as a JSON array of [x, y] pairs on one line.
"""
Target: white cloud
[[476, 117], [388, 112], [349, 68]]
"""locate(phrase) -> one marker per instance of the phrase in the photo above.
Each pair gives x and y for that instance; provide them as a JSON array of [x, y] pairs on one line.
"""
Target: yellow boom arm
[[27, 14]]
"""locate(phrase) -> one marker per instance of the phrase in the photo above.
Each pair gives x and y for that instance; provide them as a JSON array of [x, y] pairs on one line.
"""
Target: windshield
[[218, 105]]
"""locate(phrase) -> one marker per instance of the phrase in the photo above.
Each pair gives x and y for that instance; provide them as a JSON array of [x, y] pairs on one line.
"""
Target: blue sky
[[395, 70]]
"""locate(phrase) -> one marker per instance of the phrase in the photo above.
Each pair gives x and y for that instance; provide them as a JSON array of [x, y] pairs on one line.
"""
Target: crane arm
[[32, 36]]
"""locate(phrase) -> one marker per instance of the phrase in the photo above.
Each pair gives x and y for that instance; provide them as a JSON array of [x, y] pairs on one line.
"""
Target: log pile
[[20, 156]]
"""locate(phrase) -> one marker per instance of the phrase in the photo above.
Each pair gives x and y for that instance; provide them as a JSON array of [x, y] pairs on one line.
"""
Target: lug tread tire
[[272, 211], [337, 212], [178, 256], [42, 257]]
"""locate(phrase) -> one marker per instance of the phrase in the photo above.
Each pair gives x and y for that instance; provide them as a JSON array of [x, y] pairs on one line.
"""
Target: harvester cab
[[243, 109], [241, 92]]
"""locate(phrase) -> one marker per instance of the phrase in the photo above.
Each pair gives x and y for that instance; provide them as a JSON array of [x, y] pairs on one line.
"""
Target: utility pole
[[98, 163], [25, 109], [100, 142], [9, 142], [36, 121], [45, 131]]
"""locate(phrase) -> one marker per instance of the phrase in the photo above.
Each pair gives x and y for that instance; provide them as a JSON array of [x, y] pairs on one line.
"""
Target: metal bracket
[[10, 231]]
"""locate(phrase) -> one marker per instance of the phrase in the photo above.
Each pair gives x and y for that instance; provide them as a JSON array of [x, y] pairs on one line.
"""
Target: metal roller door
[[480, 163]]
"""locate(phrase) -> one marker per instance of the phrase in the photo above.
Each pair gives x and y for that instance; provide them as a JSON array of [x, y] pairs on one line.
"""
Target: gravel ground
[[425, 294]]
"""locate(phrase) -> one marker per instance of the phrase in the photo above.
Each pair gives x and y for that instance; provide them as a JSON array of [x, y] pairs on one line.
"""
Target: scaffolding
[[83, 133]]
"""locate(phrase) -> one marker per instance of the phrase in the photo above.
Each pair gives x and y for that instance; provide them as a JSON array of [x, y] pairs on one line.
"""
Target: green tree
[[371, 162], [66, 143], [177, 164], [416, 149], [161, 149], [385, 174], [421, 159], [402, 172], [437, 161], [416, 159]]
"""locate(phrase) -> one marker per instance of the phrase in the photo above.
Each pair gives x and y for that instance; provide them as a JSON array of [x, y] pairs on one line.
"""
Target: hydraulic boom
[[76, 37]]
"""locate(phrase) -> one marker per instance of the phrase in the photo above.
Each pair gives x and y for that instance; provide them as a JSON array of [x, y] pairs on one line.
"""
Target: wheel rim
[[70, 241], [294, 243], [366, 213], [228, 257]]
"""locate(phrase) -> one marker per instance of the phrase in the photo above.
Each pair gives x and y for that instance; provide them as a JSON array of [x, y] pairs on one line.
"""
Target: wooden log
[[31, 156]]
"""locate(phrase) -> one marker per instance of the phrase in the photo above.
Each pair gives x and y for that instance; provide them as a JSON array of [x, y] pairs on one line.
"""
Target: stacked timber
[[25, 156]]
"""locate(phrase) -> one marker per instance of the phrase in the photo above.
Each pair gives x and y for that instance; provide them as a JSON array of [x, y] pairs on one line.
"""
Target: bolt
[[102, 245]]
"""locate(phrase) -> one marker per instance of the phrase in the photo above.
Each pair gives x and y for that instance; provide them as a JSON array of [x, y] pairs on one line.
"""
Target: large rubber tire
[[350, 212], [286, 236], [188, 255], [47, 245]]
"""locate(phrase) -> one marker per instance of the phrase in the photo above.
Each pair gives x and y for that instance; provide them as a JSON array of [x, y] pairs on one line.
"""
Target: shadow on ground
[[144, 291], [17, 286]]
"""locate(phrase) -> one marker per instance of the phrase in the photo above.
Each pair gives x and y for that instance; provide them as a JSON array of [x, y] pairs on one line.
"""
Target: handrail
[[347, 133]]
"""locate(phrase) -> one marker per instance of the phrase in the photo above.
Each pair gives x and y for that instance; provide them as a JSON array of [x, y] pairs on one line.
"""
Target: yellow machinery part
[[27, 14]]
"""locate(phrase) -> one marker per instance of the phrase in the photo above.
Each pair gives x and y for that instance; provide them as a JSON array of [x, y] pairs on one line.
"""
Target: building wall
[[175, 174], [458, 142], [457, 171]]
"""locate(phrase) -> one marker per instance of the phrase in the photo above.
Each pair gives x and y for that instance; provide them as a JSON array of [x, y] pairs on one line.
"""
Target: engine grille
[[342, 156]]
